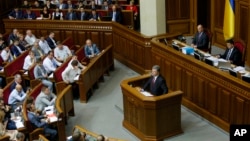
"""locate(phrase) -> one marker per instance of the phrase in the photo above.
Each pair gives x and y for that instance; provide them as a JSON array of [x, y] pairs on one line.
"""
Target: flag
[[228, 26]]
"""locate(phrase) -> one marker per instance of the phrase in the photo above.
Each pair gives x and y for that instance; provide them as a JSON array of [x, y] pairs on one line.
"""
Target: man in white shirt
[[6, 54], [16, 97], [44, 45], [29, 61], [62, 52], [30, 38], [50, 63], [80, 66]]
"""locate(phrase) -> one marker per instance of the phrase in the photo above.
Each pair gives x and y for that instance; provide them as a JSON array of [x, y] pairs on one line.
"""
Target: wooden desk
[[213, 94], [150, 118], [94, 71]]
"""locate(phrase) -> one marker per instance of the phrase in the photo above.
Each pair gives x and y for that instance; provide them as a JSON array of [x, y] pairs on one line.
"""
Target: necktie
[[18, 48], [70, 16], [199, 36], [113, 18], [82, 16], [229, 54]]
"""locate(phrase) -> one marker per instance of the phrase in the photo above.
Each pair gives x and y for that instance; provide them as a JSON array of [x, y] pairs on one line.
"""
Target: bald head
[[19, 87], [88, 42], [200, 28]]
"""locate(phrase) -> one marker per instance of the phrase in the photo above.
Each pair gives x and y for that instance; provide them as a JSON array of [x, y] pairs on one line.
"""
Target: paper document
[[77, 77], [51, 75], [239, 69], [146, 93], [19, 124]]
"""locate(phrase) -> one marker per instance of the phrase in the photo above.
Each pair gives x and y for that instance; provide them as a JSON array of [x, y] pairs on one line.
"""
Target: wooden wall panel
[[131, 52], [166, 71], [178, 16], [238, 110], [177, 74], [139, 56], [211, 98], [188, 85], [224, 102], [198, 90]]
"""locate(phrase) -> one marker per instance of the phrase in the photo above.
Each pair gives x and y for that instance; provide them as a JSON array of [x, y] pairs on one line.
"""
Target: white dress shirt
[[30, 39], [70, 73], [63, 53], [49, 65], [6, 57], [28, 62], [16, 97], [44, 46]]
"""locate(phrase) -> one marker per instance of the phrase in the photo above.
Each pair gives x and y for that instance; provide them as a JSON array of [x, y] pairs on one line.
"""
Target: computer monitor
[[246, 78], [176, 47], [209, 62], [197, 56], [233, 73]]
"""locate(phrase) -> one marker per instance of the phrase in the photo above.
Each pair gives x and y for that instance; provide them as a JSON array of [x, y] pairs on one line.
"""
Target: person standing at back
[[201, 39], [156, 83]]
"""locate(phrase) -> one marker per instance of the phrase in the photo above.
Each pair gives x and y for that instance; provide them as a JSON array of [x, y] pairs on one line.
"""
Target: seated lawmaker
[[16, 14], [45, 98], [231, 54], [61, 52], [29, 15], [156, 83], [16, 97], [201, 40], [50, 63], [116, 15], [37, 122], [91, 50], [94, 16]]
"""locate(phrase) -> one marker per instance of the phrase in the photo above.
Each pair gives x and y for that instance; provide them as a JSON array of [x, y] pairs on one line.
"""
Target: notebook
[[224, 65]]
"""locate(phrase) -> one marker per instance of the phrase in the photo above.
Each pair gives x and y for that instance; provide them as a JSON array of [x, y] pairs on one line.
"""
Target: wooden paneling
[[178, 16], [214, 94]]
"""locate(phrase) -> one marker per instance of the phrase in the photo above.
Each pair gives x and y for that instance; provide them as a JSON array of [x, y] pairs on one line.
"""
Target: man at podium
[[156, 83]]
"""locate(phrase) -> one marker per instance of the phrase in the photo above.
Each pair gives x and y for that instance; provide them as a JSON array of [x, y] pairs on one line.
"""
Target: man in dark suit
[[70, 15], [83, 15], [51, 41], [29, 15], [201, 39], [232, 54], [13, 36], [156, 83], [17, 49], [116, 15], [62, 5], [16, 14]]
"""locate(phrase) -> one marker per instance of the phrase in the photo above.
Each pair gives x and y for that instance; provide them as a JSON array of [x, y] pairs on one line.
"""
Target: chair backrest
[[210, 37], [6, 92], [241, 46]]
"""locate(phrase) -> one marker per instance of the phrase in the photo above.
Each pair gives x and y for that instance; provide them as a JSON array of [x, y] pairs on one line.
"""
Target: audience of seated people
[[44, 99], [90, 50], [41, 74], [50, 63]]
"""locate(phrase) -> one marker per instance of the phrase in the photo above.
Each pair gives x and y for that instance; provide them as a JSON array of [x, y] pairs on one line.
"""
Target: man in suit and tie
[[16, 14], [13, 36], [51, 41], [116, 15], [201, 39], [156, 83], [16, 49], [231, 54], [83, 15], [70, 15], [29, 14]]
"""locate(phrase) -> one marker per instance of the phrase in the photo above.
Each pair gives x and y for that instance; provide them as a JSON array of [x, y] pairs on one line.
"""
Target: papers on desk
[[239, 69], [188, 50], [26, 73], [49, 111], [77, 77], [18, 122], [51, 75], [145, 93], [207, 55]]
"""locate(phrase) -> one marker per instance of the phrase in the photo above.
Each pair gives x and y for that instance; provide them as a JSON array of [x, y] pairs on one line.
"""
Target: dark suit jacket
[[85, 17], [157, 88], [13, 14], [51, 43], [96, 17], [32, 15], [202, 41], [12, 37], [118, 16], [15, 51], [64, 6], [235, 56], [67, 17]]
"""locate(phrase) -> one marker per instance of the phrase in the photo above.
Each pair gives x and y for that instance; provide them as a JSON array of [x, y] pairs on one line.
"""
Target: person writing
[[201, 39], [156, 83], [231, 54]]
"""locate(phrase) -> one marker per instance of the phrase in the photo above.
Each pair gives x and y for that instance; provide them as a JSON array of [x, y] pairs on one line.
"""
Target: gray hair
[[156, 67], [17, 76]]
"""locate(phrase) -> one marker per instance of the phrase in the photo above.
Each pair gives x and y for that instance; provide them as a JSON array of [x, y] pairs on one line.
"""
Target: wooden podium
[[150, 118]]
